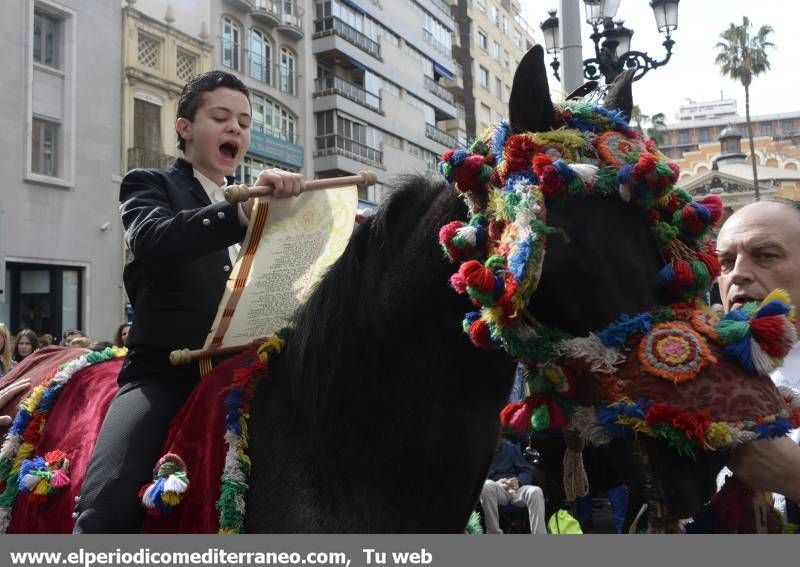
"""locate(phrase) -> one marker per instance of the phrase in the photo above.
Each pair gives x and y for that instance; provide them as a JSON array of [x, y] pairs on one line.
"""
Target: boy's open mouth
[[229, 150]]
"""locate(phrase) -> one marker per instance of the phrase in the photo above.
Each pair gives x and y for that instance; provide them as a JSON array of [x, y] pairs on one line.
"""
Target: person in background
[[121, 337], [759, 251], [6, 362], [69, 335], [27, 343]]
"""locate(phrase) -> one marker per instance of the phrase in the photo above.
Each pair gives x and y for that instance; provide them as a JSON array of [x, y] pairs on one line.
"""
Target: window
[[272, 118], [146, 126], [787, 125], [230, 43], [505, 25], [483, 74], [185, 65], [45, 147], [45, 298], [506, 59], [482, 40], [481, 5], [149, 51], [484, 116], [498, 88], [683, 136], [46, 40], [496, 16], [766, 129], [703, 135], [260, 57], [496, 50], [287, 78]]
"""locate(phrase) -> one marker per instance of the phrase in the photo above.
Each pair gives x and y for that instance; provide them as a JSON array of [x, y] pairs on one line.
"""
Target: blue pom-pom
[[774, 307], [617, 333], [472, 316], [777, 428], [518, 261], [458, 157], [741, 351], [499, 140], [564, 170], [624, 174], [481, 235], [702, 212], [499, 287]]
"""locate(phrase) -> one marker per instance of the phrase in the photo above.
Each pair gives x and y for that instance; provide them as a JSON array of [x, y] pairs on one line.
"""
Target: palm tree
[[741, 56], [657, 122]]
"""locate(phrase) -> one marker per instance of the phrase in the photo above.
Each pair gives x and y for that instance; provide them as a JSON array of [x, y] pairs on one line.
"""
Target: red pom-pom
[[646, 164], [479, 334], [518, 154], [55, 456], [507, 412], [712, 263], [691, 221], [447, 155], [683, 273], [769, 334], [478, 276], [541, 162], [661, 413], [558, 419], [714, 205]]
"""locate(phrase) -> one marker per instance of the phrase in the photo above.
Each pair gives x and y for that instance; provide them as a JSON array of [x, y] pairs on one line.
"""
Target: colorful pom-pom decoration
[[40, 477], [168, 488]]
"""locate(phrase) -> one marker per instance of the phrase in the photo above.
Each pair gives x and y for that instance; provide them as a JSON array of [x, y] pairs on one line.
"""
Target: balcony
[[334, 26], [266, 12], [291, 22], [439, 90], [438, 135], [140, 157], [334, 144], [337, 85], [436, 44], [245, 5]]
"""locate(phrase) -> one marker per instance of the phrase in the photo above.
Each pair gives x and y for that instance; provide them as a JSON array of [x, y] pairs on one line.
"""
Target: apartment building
[[378, 97], [703, 122], [60, 258], [491, 39]]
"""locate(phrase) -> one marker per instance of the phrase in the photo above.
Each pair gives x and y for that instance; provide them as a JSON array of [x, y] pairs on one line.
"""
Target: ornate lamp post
[[612, 40]]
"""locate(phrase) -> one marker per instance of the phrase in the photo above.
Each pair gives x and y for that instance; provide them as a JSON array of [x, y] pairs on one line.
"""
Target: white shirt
[[788, 374], [216, 193]]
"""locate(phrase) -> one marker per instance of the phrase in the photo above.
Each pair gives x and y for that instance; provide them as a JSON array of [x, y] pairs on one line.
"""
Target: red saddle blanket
[[196, 435]]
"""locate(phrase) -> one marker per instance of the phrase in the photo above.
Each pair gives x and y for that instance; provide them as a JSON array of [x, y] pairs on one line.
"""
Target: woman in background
[[27, 343], [6, 363]]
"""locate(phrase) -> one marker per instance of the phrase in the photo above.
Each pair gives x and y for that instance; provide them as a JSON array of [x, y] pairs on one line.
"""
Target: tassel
[[576, 483], [170, 484], [59, 479]]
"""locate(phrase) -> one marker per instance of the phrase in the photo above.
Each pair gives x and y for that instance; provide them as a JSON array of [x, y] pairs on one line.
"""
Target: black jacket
[[178, 259]]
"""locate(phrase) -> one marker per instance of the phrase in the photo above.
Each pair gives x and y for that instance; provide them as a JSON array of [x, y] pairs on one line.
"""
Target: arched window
[[288, 77], [260, 59], [272, 118], [231, 43]]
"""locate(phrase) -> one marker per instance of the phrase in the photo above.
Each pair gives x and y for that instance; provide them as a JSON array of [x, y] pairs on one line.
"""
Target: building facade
[[60, 258], [492, 38], [378, 99], [702, 123]]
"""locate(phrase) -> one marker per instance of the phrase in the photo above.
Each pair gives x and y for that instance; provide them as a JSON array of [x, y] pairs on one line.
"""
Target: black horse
[[381, 416]]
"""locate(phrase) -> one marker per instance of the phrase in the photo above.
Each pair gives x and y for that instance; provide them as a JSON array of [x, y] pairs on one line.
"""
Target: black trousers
[[127, 449]]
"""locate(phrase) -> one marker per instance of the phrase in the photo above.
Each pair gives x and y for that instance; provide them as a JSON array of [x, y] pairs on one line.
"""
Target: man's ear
[[183, 126]]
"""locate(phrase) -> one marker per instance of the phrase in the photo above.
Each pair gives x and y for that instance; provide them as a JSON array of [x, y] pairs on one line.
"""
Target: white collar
[[788, 373], [208, 185]]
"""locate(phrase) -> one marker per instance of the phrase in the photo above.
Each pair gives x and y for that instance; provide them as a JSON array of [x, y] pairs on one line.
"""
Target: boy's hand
[[284, 183], [7, 394]]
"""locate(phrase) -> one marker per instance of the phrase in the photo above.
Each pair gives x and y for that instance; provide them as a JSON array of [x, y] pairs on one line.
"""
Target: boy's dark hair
[[192, 94]]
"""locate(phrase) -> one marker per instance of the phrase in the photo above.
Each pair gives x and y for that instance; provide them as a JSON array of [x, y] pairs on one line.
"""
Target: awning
[[446, 73], [357, 64], [354, 6]]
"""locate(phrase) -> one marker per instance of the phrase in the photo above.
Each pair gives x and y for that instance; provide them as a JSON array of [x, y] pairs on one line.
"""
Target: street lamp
[[612, 40]]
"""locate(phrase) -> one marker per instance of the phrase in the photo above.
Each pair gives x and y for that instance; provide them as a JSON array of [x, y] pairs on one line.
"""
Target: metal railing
[[439, 135], [335, 144], [441, 5], [438, 90], [140, 157], [287, 79], [435, 43], [333, 25], [293, 17], [338, 85]]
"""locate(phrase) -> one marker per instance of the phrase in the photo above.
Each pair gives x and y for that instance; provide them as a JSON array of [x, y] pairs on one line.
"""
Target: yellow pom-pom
[[42, 487], [719, 435], [171, 498]]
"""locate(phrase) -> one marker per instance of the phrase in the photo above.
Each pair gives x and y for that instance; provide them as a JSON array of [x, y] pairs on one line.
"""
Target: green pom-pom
[[701, 276], [478, 219], [540, 419], [485, 174], [664, 233], [730, 331], [447, 170], [495, 262]]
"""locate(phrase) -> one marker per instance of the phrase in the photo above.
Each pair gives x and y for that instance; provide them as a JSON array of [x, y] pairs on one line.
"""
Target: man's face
[[759, 250], [219, 135]]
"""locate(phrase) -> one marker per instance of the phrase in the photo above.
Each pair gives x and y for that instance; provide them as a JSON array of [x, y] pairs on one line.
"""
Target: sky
[[692, 73]]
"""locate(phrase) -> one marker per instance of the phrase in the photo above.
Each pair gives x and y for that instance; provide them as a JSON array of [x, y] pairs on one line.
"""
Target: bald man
[[759, 251]]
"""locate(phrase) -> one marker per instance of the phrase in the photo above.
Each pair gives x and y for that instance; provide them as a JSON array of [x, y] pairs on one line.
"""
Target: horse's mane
[[340, 328]]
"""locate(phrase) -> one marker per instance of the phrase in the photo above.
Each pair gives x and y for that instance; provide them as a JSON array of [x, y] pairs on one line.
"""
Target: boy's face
[[219, 135]]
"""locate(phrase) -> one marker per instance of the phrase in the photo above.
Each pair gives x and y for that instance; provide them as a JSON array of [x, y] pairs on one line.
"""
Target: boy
[[183, 238]]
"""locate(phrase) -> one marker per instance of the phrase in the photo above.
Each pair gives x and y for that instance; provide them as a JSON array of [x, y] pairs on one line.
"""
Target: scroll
[[289, 245]]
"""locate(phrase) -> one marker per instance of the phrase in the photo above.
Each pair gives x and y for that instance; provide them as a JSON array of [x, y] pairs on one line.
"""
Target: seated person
[[509, 482]]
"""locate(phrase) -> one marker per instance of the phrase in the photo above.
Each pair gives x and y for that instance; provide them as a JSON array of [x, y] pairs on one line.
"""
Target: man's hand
[[510, 484], [7, 394], [769, 464]]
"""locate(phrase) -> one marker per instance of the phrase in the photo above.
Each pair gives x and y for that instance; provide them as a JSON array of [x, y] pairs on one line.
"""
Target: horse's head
[[585, 262]]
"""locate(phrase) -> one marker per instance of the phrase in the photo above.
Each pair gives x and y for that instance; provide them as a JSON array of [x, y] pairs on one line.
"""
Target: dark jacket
[[178, 259], [508, 461]]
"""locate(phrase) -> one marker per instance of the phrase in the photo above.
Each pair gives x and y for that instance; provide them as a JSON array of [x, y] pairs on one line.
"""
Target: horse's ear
[[620, 94], [530, 108]]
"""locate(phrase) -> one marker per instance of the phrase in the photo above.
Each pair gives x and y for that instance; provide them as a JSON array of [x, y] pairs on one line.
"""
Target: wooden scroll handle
[[240, 193], [185, 356]]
